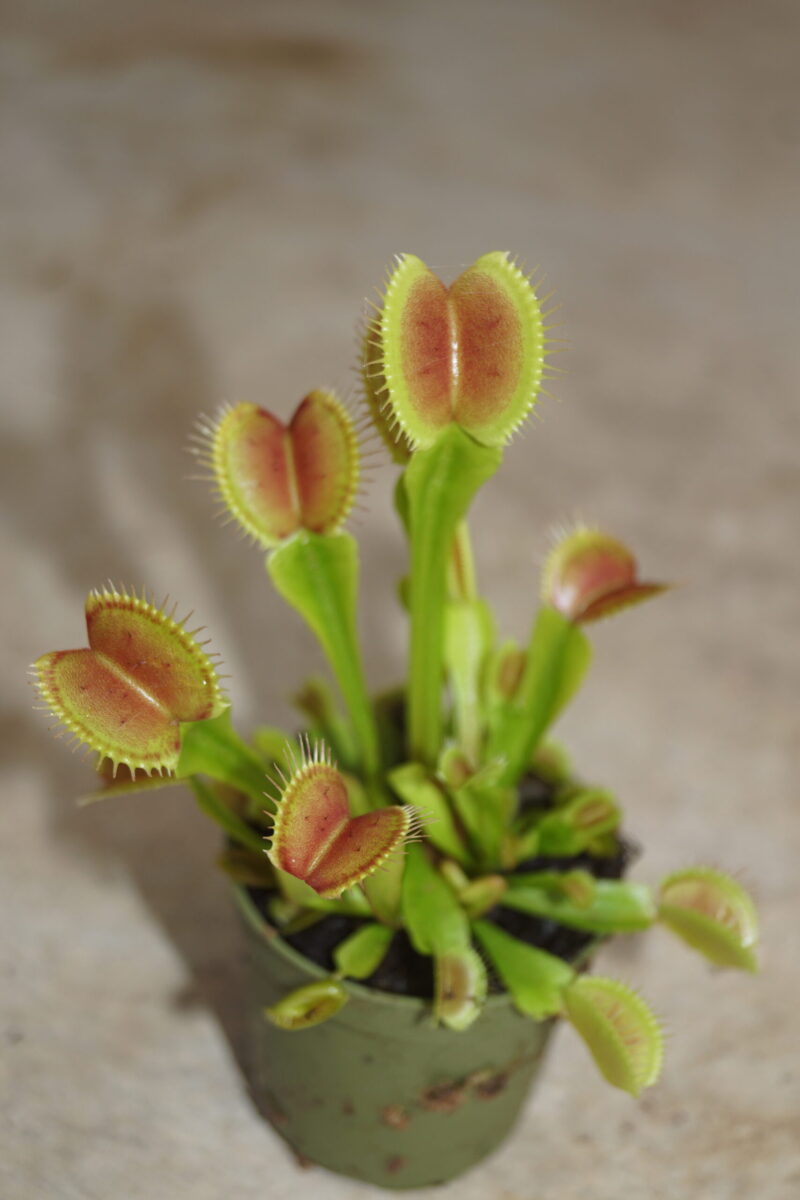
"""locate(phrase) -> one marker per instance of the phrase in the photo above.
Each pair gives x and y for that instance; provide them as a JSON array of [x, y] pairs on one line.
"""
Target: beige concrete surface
[[195, 199]]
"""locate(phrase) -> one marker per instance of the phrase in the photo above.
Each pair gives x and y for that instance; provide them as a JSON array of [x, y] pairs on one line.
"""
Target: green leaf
[[577, 886], [455, 875], [461, 578], [209, 802], [413, 784], [615, 906], [534, 978], [557, 660], [712, 913], [214, 748], [461, 987], [351, 902], [572, 827], [621, 1033], [318, 576], [503, 675], [482, 894], [384, 888], [290, 919], [316, 703], [453, 768], [551, 762], [438, 926], [468, 636], [574, 664], [308, 1005], [363, 952], [128, 786], [440, 483], [483, 805], [400, 497], [432, 915], [485, 810]]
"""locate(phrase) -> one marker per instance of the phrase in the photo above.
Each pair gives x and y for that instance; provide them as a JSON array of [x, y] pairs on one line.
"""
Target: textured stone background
[[196, 197]]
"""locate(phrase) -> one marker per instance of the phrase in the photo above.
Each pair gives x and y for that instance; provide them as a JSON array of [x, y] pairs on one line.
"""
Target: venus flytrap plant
[[437, 811]]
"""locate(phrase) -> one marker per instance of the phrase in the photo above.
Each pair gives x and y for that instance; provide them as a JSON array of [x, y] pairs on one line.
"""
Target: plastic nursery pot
[[378, 1092]]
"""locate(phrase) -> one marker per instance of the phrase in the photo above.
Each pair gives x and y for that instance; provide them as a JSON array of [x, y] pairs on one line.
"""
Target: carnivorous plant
[[406, 810]]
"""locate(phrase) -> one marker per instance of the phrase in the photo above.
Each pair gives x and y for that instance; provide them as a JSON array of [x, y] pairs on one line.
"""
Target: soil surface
[[407, 973]]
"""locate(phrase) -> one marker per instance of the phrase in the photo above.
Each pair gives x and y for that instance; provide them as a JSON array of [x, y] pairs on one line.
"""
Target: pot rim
[[271, 937]]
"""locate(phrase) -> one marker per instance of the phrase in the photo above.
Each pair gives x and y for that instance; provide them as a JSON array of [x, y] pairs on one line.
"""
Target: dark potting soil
[[405, 972]]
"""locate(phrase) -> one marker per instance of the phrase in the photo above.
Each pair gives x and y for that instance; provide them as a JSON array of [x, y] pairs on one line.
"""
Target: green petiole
[[440, 482], [214, 748], [317, 574], [557, 659]]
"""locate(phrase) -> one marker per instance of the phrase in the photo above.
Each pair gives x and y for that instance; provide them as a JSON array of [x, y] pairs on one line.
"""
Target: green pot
[[379, 1092]]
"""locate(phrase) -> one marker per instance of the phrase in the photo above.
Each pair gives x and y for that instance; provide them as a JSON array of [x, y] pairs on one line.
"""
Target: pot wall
[[378, 1092]]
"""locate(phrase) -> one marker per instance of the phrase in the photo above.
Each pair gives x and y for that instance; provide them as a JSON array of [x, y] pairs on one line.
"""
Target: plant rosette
[[420, 876]]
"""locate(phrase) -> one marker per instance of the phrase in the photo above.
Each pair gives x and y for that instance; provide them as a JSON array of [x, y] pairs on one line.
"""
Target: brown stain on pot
[[395, 1116], [485, 1084], [445, 1097], [395, 1164], [490, 1086]]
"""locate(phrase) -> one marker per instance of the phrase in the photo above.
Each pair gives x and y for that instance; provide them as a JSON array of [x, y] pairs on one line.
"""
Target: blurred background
[[196, 198]]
